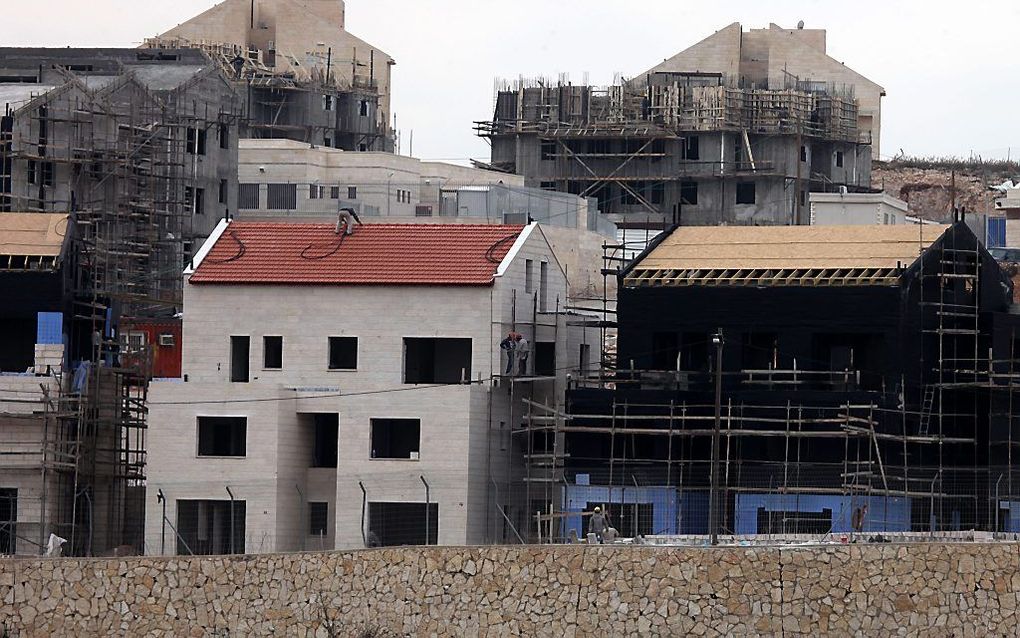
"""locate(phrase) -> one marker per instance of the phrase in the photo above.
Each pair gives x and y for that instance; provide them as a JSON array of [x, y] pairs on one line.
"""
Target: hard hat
[[598, 509]]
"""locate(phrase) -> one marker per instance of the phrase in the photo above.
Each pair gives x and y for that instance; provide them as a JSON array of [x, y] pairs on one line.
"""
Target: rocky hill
[[927, 184]]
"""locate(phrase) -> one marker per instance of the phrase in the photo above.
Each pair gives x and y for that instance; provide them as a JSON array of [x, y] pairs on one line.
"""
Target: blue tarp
[[49, 328], [885, 514], [662, 499], [996, 235]]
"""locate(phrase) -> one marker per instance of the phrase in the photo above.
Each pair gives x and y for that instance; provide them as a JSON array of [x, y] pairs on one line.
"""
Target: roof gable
[[783, 255], [33, 236], [288, 253]]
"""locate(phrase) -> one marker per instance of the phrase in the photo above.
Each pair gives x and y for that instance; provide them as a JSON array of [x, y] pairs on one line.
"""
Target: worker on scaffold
[[509, 345]]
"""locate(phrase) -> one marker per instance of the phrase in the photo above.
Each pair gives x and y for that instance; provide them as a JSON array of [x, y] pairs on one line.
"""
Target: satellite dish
[[800, 25]]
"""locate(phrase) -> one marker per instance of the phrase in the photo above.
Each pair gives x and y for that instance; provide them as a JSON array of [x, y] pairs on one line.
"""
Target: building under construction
[[113, 162], [302, 74], [795, 380], [732, 130]]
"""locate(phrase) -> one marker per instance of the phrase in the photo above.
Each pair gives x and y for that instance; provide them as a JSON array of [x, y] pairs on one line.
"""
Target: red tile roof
[[262, 252]]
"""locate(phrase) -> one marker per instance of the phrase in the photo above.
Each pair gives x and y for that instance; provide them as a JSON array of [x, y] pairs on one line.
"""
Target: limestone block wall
[[869, 590]]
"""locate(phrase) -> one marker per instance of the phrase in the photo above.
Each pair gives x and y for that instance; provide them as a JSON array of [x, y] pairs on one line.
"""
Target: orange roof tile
[[267, 252]]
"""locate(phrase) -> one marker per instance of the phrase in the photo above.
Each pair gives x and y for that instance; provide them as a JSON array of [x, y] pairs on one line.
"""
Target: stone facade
[[865, 590]]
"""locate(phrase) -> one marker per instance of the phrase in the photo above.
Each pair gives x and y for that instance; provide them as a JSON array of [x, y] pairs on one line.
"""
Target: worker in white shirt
[[523, 350]]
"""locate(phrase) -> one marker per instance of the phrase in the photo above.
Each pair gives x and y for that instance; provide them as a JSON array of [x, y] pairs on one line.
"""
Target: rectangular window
[[543, 287], [314, 191], [545, 359], [803, 153], [48, 169], [318, 519], [222, 436], [423, 210], [282, 196], [436, 360], [239, 359], [199, 204], [334, 192], [692, 148], [363, 111], [759, 350], [694, 351], [634, 519], [272, 353], [223, 191], [396, 438], [352, 192], [665, 351], [224, 135], [839, 159], [658, 192], [248, 196], [529, 276], [745, 193], [395, 524], [343, 353], [32, 176], [548, 150], [8, 521], [207, 528], [547, 186], [196, 139], [583, 357], [327, 102], [689, 193], [327, 438]]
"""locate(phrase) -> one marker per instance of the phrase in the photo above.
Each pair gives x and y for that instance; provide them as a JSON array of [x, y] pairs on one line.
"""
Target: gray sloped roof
[[19, 94], [165, 78]]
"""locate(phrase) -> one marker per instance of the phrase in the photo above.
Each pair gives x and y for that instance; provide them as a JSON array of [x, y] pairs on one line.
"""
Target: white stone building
[[857, 209], [333, 385]]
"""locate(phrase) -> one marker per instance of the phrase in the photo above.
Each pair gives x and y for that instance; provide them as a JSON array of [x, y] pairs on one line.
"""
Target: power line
[[317, 396]]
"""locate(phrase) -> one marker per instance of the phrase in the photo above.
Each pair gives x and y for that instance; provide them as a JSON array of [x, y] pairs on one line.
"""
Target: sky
[[949, 69]]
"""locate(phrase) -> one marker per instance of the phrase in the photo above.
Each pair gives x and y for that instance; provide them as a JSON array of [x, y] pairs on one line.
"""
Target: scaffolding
[[122, 160], [910, 451], [320, 99]]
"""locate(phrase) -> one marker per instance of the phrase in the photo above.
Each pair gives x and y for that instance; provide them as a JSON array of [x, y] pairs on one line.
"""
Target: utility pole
[[713, 494], [796, 195], [952, 193]]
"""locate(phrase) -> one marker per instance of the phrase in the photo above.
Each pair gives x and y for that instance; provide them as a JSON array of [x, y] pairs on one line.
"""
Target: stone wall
[[873, 590]]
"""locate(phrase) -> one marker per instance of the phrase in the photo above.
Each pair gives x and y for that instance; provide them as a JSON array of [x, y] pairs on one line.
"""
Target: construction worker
[[509, 345], [597, 525], [346, 220], [523, 350], [859, 517]]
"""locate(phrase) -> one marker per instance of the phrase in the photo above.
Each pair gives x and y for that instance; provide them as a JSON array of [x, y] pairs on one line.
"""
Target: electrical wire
[[336, 248], [242, 249], [332, 395], [491, 252]]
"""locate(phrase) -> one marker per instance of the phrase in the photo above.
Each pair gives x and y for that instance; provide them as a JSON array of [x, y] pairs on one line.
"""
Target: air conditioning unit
[[166, 340]]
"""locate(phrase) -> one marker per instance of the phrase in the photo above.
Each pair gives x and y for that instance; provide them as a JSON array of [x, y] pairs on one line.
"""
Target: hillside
[[926, 184]]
